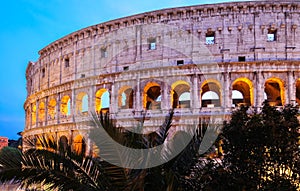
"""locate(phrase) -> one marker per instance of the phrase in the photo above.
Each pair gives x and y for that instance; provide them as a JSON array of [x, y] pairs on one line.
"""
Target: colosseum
[[202, 60]]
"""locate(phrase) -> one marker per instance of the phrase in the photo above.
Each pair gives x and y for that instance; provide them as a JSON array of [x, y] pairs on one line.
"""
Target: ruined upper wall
[[196, 13], [240, 30]]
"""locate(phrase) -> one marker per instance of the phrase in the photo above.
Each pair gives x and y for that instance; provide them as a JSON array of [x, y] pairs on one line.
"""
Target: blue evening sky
[[29, 25]]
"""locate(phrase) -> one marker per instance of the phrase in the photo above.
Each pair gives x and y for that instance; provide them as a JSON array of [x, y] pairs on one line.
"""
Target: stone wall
[[249, 47]]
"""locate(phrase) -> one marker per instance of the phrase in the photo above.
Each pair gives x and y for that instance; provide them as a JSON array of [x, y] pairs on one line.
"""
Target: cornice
[[177, 13]]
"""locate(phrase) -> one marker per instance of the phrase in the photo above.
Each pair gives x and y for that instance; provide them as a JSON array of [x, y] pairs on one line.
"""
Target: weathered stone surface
[[256, 51]]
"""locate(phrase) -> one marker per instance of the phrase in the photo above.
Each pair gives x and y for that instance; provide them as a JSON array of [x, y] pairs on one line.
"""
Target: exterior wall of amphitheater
[[166, 59]]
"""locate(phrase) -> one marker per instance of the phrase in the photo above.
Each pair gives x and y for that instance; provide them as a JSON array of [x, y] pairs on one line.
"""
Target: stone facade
[[202, 60]]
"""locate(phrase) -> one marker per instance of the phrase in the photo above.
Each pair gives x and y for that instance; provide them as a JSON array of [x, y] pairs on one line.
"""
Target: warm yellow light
[[98, 101], [52, 108], [146, 88], [281, 86], [64, 105], [247, 81]]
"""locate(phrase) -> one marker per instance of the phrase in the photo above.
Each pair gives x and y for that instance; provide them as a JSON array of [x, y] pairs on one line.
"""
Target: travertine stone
[[116, 55]]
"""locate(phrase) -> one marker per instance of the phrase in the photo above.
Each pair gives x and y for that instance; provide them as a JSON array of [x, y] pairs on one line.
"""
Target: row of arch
[[77, 145], [180, 97]]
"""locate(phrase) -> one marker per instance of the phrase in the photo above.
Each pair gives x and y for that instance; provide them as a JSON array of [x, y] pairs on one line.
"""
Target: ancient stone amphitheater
[[202, 60]]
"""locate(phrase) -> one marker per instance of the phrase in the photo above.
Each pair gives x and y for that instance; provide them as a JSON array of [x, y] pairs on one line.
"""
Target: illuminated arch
[[211, 92], [46, 142], [52, 108], [102, 100], [180, 97], [245, 87], [152, 96], [79, 145], [33, 114], [41, 112], [125, 97], [274, 88], [65, 106], [82, 103]]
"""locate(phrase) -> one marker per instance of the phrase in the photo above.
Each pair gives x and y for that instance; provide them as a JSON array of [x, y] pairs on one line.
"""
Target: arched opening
[[210, 94], [102, 101], [82, 103], [65, 106], [210, 99], [52, 108], [41, 112], [33, 114], [152, 96], [79, 145], [181, 95], [85, 103], [125, 98], [275, 92], [242, 93], [63, 144], [237, 98], [45, 142], [184, 100]]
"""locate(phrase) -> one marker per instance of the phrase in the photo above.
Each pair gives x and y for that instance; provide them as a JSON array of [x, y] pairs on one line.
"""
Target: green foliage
[[53, 166], [169, 176], [261, 150]]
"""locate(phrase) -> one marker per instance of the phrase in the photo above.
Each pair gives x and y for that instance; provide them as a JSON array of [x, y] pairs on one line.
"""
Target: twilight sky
[[29, 25]]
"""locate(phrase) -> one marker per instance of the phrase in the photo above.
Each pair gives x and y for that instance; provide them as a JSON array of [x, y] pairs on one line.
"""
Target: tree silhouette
[[261, 151], [51, 167]]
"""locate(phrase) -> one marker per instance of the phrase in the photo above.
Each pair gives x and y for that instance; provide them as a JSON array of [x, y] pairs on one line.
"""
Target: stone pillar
[[166, 95], [73, 104], [113, 106], [227, 93], [46, 110], [259, 90], [138, 34], [291, 89], [91, 97], [37, 104], [195, 99], [58, 113], [138, 95]]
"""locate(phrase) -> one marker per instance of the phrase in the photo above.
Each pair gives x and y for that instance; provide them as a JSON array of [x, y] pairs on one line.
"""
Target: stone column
[[113, 105], [46, 110], [58, 113], [259, 90], [73, 104], [195, 99], [91, 97], [138, 95], [291, 89], [166, 97], [37, 104], [226, 94]]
